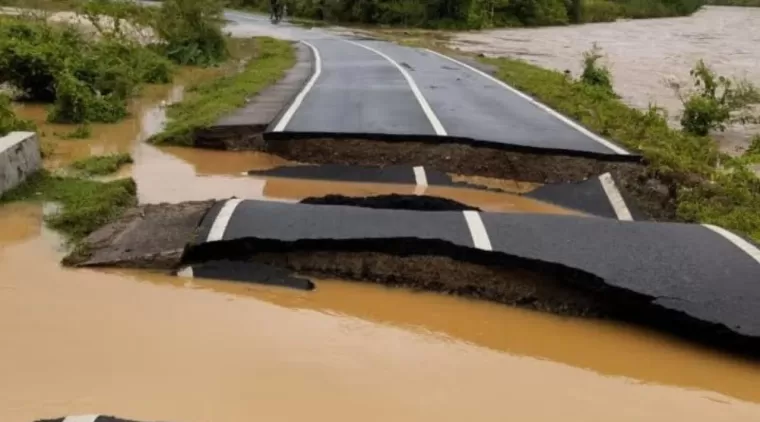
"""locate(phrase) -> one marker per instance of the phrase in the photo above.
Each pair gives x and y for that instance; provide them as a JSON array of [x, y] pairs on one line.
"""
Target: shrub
[[77, 102], [595, 74], [715, 101], [8, 120], [32, 53], [192, 31]]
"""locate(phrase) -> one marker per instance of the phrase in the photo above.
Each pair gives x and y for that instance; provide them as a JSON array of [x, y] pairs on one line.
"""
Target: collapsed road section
[[664, 275]]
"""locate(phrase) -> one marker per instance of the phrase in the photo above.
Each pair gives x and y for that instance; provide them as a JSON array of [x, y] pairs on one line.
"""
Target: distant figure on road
[[275, 13]]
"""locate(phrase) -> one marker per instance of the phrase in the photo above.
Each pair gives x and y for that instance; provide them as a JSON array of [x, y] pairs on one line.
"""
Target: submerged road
[[678, 266], [369, 87]]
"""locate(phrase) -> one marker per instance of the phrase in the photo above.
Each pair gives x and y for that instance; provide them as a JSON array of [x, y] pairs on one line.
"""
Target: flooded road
[[643, 54], [153, 347]]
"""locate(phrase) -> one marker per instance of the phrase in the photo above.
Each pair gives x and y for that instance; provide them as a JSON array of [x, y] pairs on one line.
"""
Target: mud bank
[[659, 275]]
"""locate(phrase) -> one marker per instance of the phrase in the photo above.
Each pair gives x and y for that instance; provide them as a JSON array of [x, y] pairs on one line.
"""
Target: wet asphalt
[[683, 267]]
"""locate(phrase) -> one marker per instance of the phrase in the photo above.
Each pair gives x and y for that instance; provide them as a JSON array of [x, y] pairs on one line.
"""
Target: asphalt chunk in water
[[247, 272], [588, 196]]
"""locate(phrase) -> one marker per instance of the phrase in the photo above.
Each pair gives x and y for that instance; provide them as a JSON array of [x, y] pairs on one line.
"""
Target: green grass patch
[[711, 187], [209, 101], [85, 204], [100, 165]]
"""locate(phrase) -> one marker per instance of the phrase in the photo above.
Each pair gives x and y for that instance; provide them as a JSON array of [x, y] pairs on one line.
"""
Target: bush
[[192, 31], [77, 102], [32, 53], [88, 80], [595, 74], [715, 101], [8, 120]]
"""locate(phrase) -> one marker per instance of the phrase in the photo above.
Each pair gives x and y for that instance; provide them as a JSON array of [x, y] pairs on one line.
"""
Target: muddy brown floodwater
[[643, 54], [152, 347]]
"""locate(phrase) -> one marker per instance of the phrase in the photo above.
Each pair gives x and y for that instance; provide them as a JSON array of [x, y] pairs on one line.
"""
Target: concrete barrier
[[19, 157]]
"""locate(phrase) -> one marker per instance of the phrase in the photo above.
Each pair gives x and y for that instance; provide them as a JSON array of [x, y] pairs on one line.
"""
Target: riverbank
[[644, 56]]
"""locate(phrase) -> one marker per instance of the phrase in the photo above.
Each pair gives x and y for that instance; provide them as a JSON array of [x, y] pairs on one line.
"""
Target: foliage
[[476, 14], [745, 3], [76, 102], [9, 122], [685, 162], [715, 101], [192, 31], [86, 204], [88, 79], [100, 165], [206, 103], [595, 74]]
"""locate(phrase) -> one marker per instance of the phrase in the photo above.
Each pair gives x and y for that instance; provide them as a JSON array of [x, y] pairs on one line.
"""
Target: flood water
[[643, 54], [153, 347]]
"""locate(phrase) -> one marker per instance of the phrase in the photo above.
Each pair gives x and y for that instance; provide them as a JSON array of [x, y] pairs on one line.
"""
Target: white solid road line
[[81, 418], [740, 243], [222, 220], [542, 106], [477, 230], [420, 179], [437, 126], [616, 199], [285, 119]]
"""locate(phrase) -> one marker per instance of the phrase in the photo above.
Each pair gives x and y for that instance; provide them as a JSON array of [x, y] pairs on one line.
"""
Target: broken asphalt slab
[[681, 276], [250, 272], [592, 196]]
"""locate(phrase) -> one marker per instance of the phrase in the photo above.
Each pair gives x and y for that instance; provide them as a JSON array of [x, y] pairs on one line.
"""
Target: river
[[643, 55]]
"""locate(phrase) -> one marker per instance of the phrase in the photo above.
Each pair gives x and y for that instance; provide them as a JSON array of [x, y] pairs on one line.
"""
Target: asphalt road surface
[[362, 87], [674, 264]]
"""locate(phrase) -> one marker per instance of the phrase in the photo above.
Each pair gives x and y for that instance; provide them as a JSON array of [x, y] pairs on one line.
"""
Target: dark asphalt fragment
[[247, 272], [587, 196], [393, 201]]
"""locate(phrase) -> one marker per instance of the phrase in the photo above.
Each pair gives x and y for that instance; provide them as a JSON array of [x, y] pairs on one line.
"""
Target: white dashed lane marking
[[477, 230]]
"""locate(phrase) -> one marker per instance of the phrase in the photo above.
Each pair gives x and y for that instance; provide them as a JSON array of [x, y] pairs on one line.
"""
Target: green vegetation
[[8, 120], [92, 78], [477, 14], [101, 165], [192, 31], [711, 187], [85, 204], [745, 3], [715, 101], [207, 102], [595, 74]]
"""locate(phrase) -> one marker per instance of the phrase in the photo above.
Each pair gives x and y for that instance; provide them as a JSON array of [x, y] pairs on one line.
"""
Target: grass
[[211, 100], [711, 187], [101, 165], [85, 204]]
